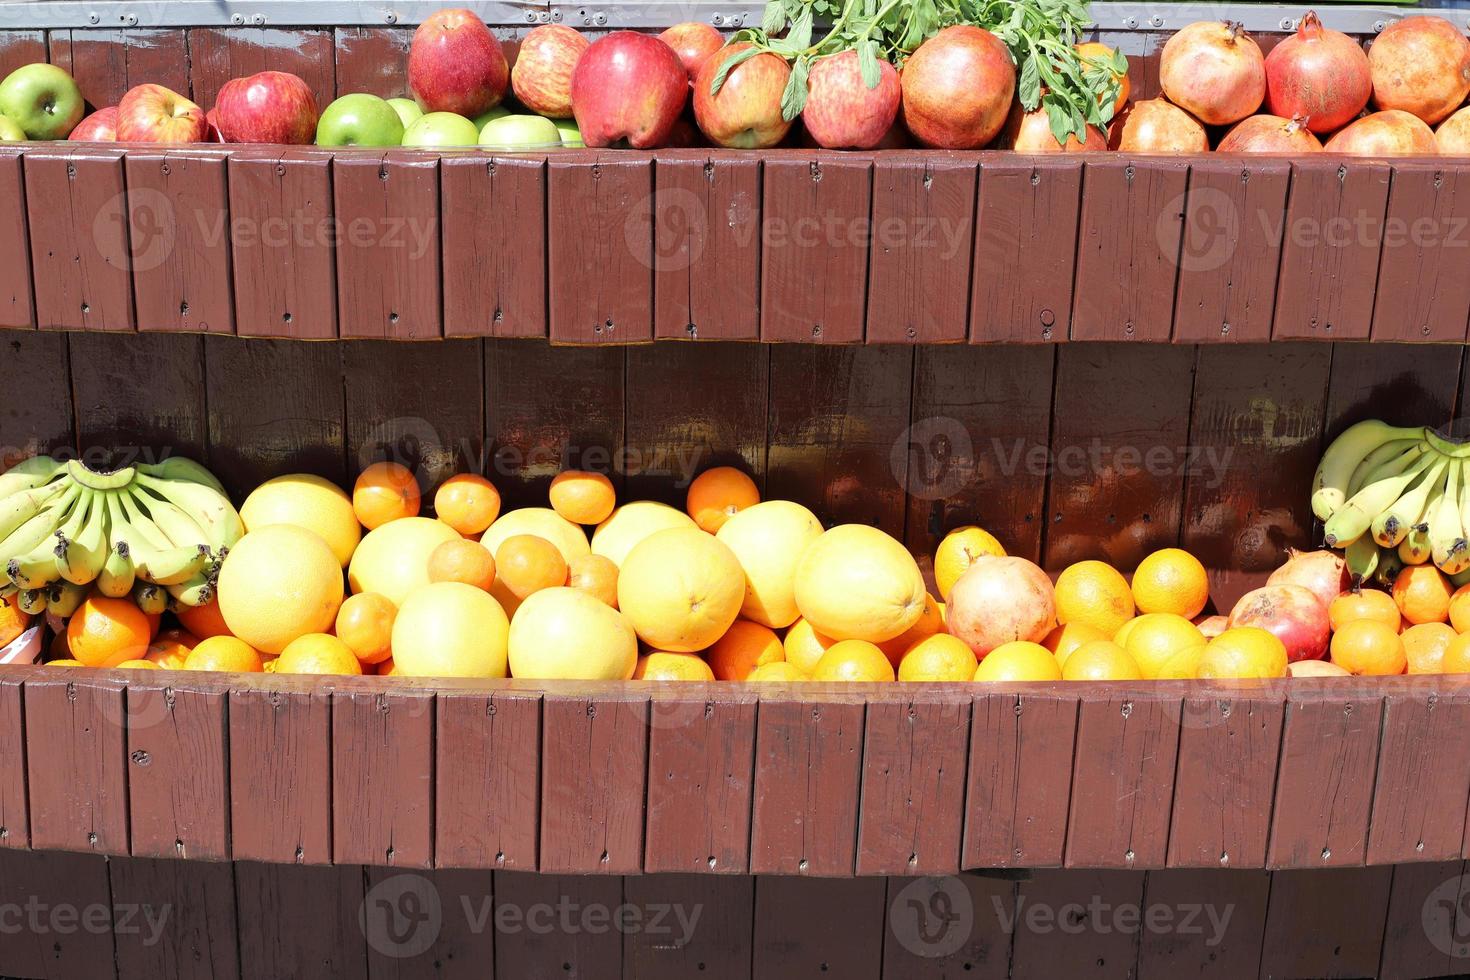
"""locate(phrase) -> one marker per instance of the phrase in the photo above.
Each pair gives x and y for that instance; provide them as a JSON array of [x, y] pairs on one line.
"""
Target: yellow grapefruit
[[450, 629], [633, 522], [316, 653], [540, 522], [939, 657], [394, 559], [958, 551], [306, 501], [805, 646], [857, 583], [278, 583], [680, 589], [1018, 660], [1155, 638], [566, 634], [768, 540]]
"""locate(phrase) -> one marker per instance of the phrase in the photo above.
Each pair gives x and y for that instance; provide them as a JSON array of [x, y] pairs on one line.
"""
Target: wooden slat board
[[280, 776], [1426, 231], [15, 821], [487, 782], [106, 63], [494, 246], [1423, 777], [382, 778], [76, 758], [373, 60], [178, 780], [17, 308], [171, 918], [220, 54]]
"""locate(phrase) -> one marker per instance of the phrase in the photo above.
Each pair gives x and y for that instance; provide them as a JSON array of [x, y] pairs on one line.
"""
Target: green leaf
[[868, 64], [1030, 85], [718, 82], [774, 19], [793, 100], [800, 36]]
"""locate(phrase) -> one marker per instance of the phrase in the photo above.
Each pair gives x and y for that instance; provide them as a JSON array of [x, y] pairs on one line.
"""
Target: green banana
[[32, 601], [206, 506], [1445, 538], [83, 556], [155, 558], [178, 528], [21, 506], [197, 591], [92, 480], [40, 527], [38, 567], [65, 598], [28, 474], [1362, 558], [152, 599], [181, 468], [1349, 521], [1392, 525], [1389, 566], [1460, 579], [1389, 459], [1341, 460]]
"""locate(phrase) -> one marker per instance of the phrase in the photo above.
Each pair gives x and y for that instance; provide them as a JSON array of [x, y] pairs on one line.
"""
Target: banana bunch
[[1392, 496], [156, 531]]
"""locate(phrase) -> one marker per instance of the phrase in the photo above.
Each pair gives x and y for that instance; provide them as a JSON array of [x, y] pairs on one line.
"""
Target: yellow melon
[[278, 583], [566, 634], [394, 559], [857, 583], [306, 501], [450, 629], [680, 589], [768, 540], [633, 522]]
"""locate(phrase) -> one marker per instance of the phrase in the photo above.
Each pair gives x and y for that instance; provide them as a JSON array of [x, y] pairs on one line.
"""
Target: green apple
[[520, 133], [43, 100], [10, 132], [408, 110], [570, 134], [359, 120], [499, 112], [441, 129]]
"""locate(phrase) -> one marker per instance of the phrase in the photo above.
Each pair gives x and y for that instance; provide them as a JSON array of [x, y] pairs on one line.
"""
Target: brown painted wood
[[388, 257], [550, 949], [1067, 924], [922, 244], [1426, 929], [1128, 248], [21, 48], [803, 927], [1426, 231], [487, 780], [706, 245], [220, 54], [15, 821], [373, 60], [1423, 777], [1354, 900], [1025, 250], [1402, 384], [808, 770], [17, 308], [1020, 780], [106, 63], [382, 778], [599, 235], [718, 942], [594, 754], [40, 418], [66, 891], [950, 925], [1214, 926], [309, 921], [281, 776], [1330, 250], [1230, 248], [178, 792], [407, 940], [494, 214], [175, 918], [814, 229], [76, 759], [138, 396]]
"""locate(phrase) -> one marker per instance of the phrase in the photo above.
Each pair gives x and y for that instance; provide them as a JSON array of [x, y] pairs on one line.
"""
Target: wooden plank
[[1073, 924], [536, 941], [494, 215], [1025, 250], [373, 60], [594, 753], [218, 54], [20, 48], [76, 762], [1427, 921], [1230, 249], [15, 821], [388, 257], [1205, 923], [1423, 777], [281, 776], [1420, 296], [814, 229], [1330, 252], [1354, 900], [695, 925], [706, 245], [808, 770], [922, 228], [106, 63], [307, 921], [382, 778], [938, 925], [69, 932], [701, 757], [138, 395], [1020, 780], [487, 780], [40, 418], [17, 307], [804, 927], [1128, 248], [1403, 384], [175, 918], [178, 794], [435, 923]]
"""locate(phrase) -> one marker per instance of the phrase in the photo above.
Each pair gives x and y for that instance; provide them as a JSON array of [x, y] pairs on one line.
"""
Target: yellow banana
[[1349, 521]]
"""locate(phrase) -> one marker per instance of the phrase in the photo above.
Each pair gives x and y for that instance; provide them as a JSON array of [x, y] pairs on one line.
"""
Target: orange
[[1154, 638], [1243, 652], [385, 492], [386, 668], [317, 653], [13, 622], [778, 671], [853, 660], [1121, 637], [1367, 604], [204, 621], [1460, 609], [525, 564], [1424, 646], [467, 502], [1171, 581], [65, 663], [462, 561], [582, 497], [938, 657], [745, 646], [656, 665], [224, 653], [1097, 51], [1368, 646], [138, 665], [1422, 594], [805, 646], [1019, 660], [1064, 639], [719, 494], [171, 648], [1100, 660], [104, 632], [1456, 657], [365, 624], [931, 621], [1094, 593], [958, 551], [595, 575], [1183, 665]]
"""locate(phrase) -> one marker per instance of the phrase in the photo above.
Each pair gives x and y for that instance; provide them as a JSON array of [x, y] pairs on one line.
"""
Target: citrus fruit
[[1068, 637], [1183, 665], [171, 648], [853, 660], [463, 561], [1100, 660], [769, 539], [856, 583], [1367, 604], [659, 665], [930, 621], [138, 665], [203, 621], [595, 575], [1019, 660], [1456, 656], [467, 502], [542, 522], [1460, 609], [582, 497], [365, 624], [1099, 52], [1243, 652], [104, 632], [386, 668], [565, 634], [385, 492], [777, 672], [1424, 646], [64, 662], [1370, 646], [680, 589], [1121, 637], [744, 647], [1094, 593], [394, 559], [804, 646], [13, 622], [317, 653], [1422, 594], [719, 494], [1156, 637], [1315, 668], [1171, 581], [937, 657], [631, 523], [999, 600], [958, 551], [278, 583], [309, 502], [225, 653], [450, 629], [525, 563]]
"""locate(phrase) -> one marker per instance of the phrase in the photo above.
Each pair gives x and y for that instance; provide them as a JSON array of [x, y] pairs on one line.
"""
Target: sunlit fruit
[[449, 629], [1173, 581], [394, 559], [595, 575], [278, 583], [663, 666], [317, 653], [565, 634], [631, 523], [467, 502], [582, 497], [1095, 593], [309, 502], [958, 551], [1369, 646], [999, 600], [385, 492], [768, 540], [541, 522], [853, 660], [1019, 660], [718, 494], [1100, 660], [1243, 652], [680, 589], [224, 653], [744, 647], [365, 624]]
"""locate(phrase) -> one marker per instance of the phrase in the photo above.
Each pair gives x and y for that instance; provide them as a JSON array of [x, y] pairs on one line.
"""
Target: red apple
[[628, 86], [957, 88], [211, 127], [456, 65], [841, 111], [154, 114], [99, 127], [271, 107], [542, 76], [746, 114], [693, 42]]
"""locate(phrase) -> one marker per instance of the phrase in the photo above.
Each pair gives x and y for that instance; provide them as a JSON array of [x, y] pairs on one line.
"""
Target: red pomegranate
[[1318, 74], [1452, 136], [1324, 572], [1391, 133], [1156, 126], [957, 88], [1420, 65], [1215, 70], [1291, 613], [1030, 132], [1269, 134]]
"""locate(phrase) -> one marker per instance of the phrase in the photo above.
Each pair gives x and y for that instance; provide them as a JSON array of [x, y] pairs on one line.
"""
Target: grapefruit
[[309, 502], [958, 551], [317, 653], [394, 559], [566, 634], [631, 523], [681, 589], [280, 582], [768, 540], [857, 583], [540, 522], [450, 629]]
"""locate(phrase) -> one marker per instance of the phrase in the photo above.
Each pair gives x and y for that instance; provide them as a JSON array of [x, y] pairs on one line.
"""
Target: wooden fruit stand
[[1092, 357]]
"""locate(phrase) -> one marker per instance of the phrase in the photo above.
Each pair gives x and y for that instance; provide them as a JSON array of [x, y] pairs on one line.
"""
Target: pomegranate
[[1212, 626], [1292, 613], [1030, 132], [1156, 126], [957, 88], [998, 600], [1215, 70], [1420, 65], [1452, 136], [1324, 572], [841, 111], [1318, 74], [1269, 134], [1391, 133]]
